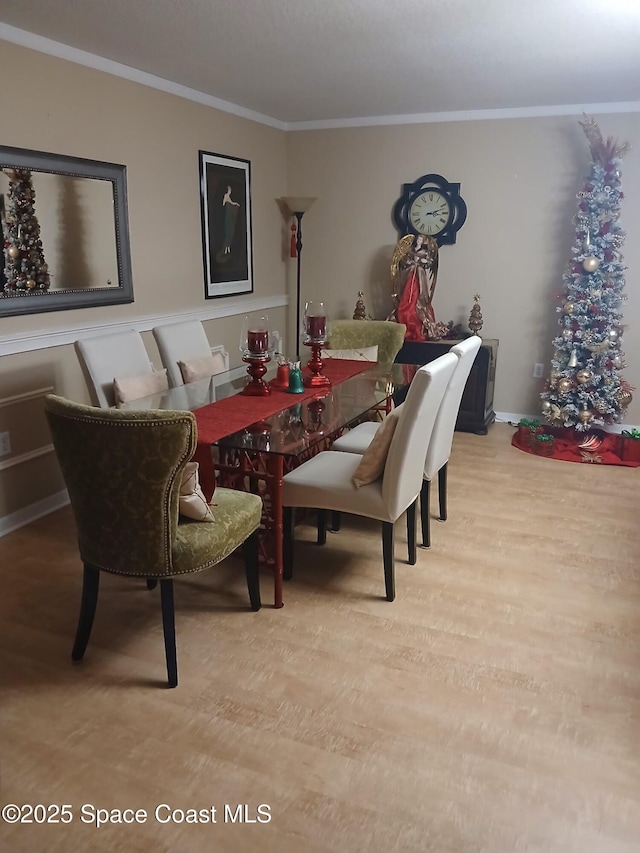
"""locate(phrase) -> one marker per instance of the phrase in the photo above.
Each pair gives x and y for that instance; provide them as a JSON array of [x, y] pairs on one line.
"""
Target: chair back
[[402, 478], [123, 473], [443, 429], [108, 357], [183, 342], [355, 334]]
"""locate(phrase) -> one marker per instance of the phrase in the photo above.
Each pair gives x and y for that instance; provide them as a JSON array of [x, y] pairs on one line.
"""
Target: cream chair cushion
[[200, 368], [127, 388]]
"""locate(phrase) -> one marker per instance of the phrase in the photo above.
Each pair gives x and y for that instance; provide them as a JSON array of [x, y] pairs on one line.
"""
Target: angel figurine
[[414, 273]]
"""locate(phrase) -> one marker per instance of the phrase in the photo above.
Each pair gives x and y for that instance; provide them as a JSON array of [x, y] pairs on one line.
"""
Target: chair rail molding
[[64, 335]]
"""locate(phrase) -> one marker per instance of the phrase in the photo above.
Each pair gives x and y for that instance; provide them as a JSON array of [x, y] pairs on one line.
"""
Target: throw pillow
[[192, 502], [199, 368], [374, 458], [127, 388], [360, 354]]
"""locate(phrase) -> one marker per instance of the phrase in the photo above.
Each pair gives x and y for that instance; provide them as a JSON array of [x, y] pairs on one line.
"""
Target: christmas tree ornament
[[564, 385], [569, 307], [546, 406], [13, 252], [567, 334], [618, 362], [624, 397], [360, 311], [591, 264], [475, 317], [585, 415], [613, 334], [573, 360], [584, 376], [30, 284]]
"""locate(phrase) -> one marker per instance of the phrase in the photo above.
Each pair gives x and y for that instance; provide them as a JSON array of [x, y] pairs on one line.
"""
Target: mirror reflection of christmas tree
[[584, 389], [24, 268]]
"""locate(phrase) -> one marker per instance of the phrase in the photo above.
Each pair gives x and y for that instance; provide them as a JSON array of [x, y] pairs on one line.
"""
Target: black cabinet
[[476, 408]]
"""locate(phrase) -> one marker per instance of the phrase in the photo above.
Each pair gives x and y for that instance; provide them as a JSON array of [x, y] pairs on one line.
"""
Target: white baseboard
[[18, 519]]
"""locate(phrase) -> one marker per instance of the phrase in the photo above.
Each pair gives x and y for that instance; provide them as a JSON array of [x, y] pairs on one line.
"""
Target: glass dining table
[[250, 443]]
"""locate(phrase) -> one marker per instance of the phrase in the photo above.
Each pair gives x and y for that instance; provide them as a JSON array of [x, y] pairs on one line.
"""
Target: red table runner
[[231, 414]]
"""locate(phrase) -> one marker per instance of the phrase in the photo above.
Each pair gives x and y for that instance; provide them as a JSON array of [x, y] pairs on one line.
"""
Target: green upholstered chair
[[123, 471], [353, 334]]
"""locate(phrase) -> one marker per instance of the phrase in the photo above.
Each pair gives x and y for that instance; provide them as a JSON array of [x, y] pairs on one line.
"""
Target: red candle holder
[[315, 365], [256, 369]]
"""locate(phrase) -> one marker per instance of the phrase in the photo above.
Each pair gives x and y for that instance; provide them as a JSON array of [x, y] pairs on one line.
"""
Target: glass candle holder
[[255, 337], [255, 348], [315, 322]]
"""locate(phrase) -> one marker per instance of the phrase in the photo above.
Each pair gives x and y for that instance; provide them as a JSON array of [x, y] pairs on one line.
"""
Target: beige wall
[[519, 179], [57, 106]]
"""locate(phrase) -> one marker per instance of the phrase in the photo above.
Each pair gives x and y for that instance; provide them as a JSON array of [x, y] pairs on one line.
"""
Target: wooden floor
[[494, 707]]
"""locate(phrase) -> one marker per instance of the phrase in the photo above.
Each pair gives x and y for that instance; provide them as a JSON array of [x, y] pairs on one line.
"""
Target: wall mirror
[[65, 233]]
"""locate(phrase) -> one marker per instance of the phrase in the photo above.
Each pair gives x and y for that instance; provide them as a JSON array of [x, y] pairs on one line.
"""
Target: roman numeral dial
[[429, 213]]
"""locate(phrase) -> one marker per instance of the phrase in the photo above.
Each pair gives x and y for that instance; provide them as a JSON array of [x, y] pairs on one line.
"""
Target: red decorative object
[[315, 365], [256, 368], [281, 382], [257, 342], [630, 449], [317, 328]]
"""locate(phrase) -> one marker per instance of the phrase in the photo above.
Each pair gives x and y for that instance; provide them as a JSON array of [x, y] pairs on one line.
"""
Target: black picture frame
[[225, 208], [71, 227]]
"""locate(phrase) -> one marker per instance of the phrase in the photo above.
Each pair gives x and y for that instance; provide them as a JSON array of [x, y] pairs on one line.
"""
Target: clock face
[[431, 206], [430, 213]]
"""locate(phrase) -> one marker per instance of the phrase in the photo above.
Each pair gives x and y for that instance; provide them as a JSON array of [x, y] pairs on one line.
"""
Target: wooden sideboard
[[476, 408]]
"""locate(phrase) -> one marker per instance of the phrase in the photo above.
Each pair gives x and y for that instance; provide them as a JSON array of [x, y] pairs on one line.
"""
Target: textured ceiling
[[310, 60]]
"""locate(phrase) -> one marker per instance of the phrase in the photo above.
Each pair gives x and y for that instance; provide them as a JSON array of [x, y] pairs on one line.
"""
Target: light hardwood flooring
[[494, 707]]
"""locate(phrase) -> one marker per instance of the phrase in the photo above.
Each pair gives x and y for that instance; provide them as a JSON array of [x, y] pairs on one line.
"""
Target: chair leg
[[442, 492], [169, 628], [425, 495], [336, 521], [90, 585], [411, 534], [252, 569], [288, 523], [322, 527], [388, 559], [152, 583]]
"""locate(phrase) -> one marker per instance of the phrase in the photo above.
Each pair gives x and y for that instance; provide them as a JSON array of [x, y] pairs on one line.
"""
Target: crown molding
[[469, 115]]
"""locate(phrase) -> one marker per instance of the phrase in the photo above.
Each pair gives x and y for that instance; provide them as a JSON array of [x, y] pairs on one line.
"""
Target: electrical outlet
[[538, 370], [5, 444]]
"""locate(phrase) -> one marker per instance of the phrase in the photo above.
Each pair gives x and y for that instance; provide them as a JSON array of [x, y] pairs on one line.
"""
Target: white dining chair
[[325, 482], [185, 347], [104, 358], [439, 449]]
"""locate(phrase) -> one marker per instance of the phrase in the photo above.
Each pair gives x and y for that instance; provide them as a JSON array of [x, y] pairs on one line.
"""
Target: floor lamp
[[298, 207]]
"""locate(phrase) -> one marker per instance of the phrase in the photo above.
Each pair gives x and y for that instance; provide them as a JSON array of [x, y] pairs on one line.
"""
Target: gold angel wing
[[403, 247]]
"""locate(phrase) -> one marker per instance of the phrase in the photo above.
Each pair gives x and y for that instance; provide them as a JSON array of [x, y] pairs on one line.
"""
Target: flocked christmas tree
[[585, 389], [25, 269]]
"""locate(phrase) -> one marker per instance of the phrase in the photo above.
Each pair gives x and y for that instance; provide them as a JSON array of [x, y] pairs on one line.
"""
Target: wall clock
[[431, 206]]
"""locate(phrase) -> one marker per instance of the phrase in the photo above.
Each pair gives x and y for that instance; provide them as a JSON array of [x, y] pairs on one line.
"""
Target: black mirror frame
[[63, 300]]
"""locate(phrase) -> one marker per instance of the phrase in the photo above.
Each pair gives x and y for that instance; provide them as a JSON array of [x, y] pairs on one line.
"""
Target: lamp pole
[[298, 207]]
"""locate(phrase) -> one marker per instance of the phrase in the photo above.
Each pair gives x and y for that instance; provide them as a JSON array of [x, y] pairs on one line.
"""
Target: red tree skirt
[[566, 447]]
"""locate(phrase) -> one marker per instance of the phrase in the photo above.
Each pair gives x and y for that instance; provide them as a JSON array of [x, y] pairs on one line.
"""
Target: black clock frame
[[451, 191]]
